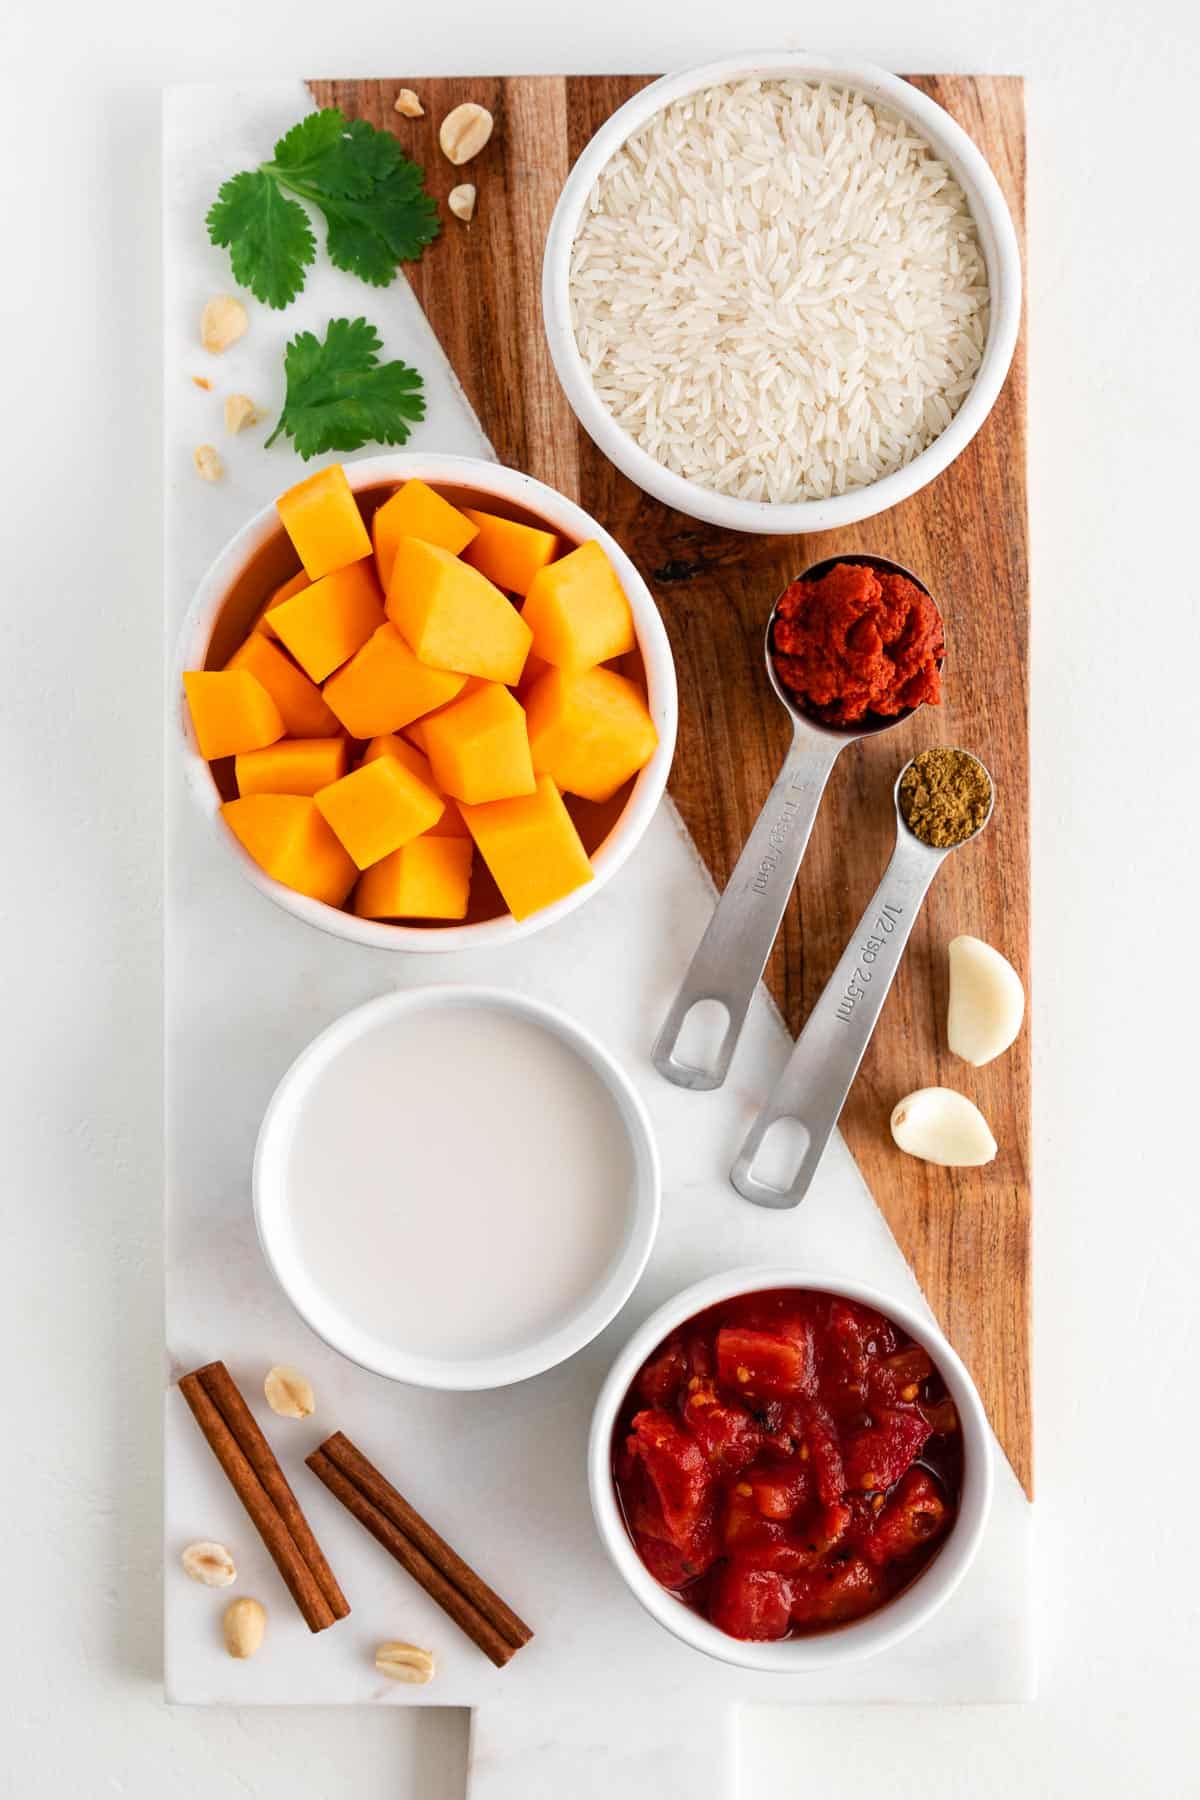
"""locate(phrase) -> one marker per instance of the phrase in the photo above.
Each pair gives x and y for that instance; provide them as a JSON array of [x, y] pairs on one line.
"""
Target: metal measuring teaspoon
[[812, 1089], [732, 954]]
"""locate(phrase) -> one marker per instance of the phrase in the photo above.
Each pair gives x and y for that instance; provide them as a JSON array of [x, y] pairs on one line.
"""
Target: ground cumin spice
[[944, 797]]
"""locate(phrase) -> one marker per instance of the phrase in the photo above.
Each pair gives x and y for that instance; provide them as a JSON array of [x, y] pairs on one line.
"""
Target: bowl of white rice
[[781, 294]]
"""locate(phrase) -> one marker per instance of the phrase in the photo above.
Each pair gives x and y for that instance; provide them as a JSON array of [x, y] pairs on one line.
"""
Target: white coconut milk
[[458, 1179]]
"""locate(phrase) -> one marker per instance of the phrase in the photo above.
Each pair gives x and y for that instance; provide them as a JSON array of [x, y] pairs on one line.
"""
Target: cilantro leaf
[[268, 236], [340, 396], [376, 209]]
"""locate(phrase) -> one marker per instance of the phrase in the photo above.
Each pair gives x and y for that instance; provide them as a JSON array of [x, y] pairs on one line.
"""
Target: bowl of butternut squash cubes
[[426, 702]]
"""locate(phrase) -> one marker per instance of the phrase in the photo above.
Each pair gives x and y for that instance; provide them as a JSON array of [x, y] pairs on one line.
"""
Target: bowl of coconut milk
[[456, 1187]]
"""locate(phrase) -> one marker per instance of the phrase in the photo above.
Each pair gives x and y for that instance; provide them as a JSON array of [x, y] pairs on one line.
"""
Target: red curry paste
[[857, 642], [787, 1461]]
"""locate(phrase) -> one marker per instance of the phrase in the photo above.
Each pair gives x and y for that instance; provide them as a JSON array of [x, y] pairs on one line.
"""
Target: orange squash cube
[[451, 822], [378, 807], [452, 617], [326, 623], [478, 746], [531, 846], [427, 879], [231, 711], [321, 517], [578, 612], [293, 766], [383, 686], [591, 731], [288, 838], [283, 592], [303, 711], [416, 510], [531, 674], [415, 733], [507, 553]]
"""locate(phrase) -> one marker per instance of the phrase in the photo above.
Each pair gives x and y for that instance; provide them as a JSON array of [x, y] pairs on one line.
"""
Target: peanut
[[404, 1662], [209, 466], [240, 411], [209, 1564], [288, 1393], [223, 322], [243, 1628], [461, 201], [464, 131], [407, 104]]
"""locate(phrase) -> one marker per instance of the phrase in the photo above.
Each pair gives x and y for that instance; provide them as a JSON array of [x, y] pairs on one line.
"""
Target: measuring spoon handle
[[825, 1058], [732, 954]]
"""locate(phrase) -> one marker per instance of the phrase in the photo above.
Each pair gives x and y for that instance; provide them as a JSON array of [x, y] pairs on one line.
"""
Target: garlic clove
[[944, 1127], [987, 1001]]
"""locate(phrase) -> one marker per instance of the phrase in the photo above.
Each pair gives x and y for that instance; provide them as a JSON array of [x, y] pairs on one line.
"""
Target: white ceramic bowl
[[594, 1310], [997, 237], [845, 1643], [486, 482]]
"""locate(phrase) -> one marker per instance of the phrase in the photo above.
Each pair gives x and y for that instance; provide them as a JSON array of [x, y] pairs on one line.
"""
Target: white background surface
[[1114, 280]]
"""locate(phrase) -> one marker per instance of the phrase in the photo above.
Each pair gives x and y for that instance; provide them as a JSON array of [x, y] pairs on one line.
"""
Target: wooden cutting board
[[966, 1234]]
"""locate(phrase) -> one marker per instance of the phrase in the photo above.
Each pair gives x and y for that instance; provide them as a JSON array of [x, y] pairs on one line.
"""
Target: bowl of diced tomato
[[426, 703], [789, 1474]]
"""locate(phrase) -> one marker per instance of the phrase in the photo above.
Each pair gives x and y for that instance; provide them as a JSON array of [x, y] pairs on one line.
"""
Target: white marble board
[[602, 1696]]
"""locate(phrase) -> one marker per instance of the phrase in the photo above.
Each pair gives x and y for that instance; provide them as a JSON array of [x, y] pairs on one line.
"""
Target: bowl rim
[[856, 1639], [495, 481], [998, 240], [449, 1374]]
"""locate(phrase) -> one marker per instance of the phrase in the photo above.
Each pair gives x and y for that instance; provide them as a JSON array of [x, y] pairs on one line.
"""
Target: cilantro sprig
[[377, 212], [340, 396]]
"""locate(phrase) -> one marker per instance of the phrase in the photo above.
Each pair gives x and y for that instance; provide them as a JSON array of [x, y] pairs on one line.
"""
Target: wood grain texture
[[966, 1234]]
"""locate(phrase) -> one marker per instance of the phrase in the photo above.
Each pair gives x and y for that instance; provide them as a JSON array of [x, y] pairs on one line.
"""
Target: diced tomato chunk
[[846, 1342], [817, 1439], [667, 1564], [701, 1355], [913, 1517], [743, 1526], [762, 1362], [682, 1480], [663, 1374], [728, 1435], [674, 1567], [832, 1527], [877, 1456], [896, 1380], [781, 1489], [828, 1595], [750, 1603]]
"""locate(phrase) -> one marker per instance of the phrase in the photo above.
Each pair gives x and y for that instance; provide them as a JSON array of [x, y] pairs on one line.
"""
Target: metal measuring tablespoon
[[732, 954], [812, 1089]]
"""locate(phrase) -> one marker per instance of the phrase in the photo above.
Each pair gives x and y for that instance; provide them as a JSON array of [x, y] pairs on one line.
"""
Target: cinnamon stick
[[221, 1388], [285, 1553], [368, 1480], [475, 1608]]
